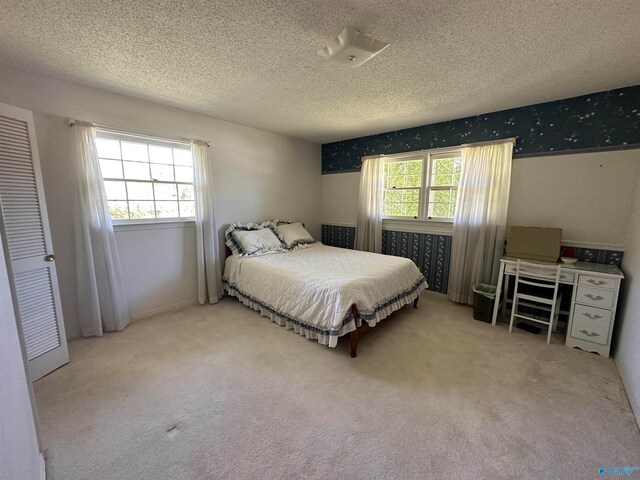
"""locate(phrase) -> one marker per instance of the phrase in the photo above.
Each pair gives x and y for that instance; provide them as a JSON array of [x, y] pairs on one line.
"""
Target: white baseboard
[[168, 308], [635, 408], [43, 467]]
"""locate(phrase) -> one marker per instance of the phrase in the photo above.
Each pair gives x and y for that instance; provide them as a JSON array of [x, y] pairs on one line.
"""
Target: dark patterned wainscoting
[[594, 255], [431, 253], [600, 121], [338, 235]]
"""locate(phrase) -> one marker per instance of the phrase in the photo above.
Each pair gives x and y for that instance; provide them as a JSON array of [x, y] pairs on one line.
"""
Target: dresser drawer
[[599, 282], [591, 324], [594, 296]]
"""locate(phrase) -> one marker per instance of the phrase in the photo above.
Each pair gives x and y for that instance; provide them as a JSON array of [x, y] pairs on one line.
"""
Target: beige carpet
[[220, 392]]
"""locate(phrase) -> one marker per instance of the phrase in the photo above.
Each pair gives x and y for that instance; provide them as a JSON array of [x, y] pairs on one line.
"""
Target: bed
[[324, 292]]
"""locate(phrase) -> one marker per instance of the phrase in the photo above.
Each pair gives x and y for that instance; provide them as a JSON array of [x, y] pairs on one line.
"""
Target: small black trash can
[[483, 297]]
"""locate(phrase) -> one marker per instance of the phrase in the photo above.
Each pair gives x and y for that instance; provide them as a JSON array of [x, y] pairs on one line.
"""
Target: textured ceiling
[[254, 61]]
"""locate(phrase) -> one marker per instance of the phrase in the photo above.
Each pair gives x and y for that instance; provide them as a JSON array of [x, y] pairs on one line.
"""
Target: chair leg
[[551, 322], [514, 309]]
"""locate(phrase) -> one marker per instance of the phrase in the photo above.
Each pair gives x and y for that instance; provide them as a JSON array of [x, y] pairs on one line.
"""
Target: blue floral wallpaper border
[[432, 253], [599, 121]]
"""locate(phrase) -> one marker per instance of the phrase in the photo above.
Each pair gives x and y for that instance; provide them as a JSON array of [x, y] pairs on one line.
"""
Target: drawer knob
[[594, 297], [597, 282], [589, 334], [591, 316]]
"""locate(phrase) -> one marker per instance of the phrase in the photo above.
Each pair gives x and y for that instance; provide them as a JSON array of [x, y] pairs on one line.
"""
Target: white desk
[[593, 302]]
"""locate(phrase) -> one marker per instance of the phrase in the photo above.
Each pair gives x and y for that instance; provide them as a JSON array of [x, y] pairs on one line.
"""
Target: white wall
[[588, 195], [19, 452], [259, 175], [627, 329]]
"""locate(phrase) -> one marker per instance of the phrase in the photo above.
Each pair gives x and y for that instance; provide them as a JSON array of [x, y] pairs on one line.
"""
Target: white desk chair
[[546, 279]]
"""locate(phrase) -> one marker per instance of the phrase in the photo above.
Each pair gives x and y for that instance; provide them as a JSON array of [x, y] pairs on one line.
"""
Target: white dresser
[[593, 302]]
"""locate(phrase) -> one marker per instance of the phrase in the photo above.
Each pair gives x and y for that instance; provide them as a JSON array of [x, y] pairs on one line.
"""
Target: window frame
[[148, 140], [427, 157]]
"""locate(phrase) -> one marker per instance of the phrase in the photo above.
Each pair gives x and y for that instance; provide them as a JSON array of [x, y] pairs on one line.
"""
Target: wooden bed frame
[[355, 335]]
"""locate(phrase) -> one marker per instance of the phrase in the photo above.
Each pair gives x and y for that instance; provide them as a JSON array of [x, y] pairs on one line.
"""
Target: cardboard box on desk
[[534, 243]]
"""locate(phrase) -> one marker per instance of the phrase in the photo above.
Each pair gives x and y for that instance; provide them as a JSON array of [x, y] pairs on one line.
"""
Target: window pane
[[141, 210], [439, 210], [167, 209], [115, 191], [135, 151], [442, 180], [159, 154], [108, 148], [182, 156], [119, 210], [413, 167], [165, 191], [136, 171], [187, 209], [443, 165], [140, 191], [111, 168], [392, 196], [394, 181], [413, 181], [162, 173], [410, 196], [440, 196], [184, 174], [185, 192], [410, 209], [394, 209]]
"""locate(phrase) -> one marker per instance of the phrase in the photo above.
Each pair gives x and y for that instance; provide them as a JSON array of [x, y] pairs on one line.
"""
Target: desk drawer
[[599, 282], [591, 324], [595, 296], [565, 277]]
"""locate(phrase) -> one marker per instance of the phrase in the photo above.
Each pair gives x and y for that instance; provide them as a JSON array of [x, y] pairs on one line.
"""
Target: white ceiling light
[[352, 48]]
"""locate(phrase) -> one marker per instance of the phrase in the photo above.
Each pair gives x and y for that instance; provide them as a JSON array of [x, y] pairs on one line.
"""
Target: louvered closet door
[[26, 237]]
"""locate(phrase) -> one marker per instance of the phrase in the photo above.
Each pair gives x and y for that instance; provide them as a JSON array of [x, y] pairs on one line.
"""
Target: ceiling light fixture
[[352, 47]]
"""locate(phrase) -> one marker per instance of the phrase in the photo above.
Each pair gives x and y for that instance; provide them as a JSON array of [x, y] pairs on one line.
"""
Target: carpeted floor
[[220, 392]]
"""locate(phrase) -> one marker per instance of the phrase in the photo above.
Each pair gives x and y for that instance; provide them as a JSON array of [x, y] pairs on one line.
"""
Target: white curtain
[[102, 300], [369, 226], [481, 217], [209, 271]]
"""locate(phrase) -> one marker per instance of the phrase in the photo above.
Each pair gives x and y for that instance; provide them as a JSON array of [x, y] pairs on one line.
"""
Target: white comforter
[[312, 290]]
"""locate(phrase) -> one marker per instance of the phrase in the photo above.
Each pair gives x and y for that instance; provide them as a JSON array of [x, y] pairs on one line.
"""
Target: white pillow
[[257, 241], [294, 235], [252, 238]]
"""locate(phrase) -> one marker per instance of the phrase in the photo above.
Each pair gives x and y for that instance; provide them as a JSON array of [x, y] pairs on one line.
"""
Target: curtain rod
[[435, 149], [490, 142], [73, 121]]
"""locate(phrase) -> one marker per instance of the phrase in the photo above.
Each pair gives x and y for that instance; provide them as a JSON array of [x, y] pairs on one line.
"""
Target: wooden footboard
[[355, 335]]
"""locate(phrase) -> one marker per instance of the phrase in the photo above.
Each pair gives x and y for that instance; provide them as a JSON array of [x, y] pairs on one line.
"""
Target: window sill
[[436, 227], [129, 226]]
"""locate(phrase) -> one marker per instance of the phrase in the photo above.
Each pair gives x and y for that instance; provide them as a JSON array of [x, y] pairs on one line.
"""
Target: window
[[422, 186], [146, 179]]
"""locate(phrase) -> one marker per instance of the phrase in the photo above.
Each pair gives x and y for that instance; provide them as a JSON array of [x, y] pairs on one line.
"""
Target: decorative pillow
[[293, 235], [252, 239]]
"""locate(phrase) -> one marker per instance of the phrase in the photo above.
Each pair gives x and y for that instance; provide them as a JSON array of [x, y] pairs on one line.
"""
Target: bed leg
[[353, 343], [415, 302]]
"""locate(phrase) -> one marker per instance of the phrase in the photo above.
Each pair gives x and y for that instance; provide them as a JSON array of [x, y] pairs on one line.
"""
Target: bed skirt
[[323, 336]]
